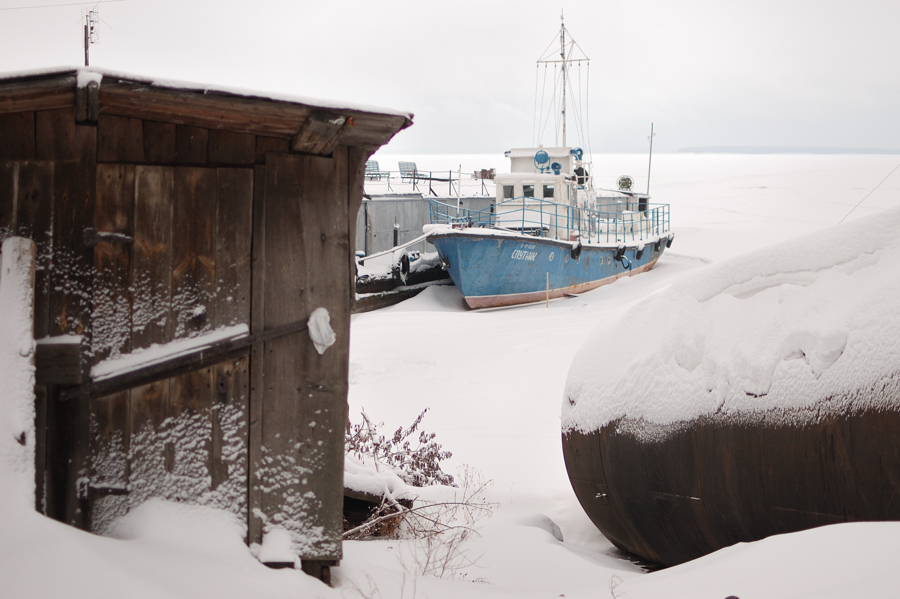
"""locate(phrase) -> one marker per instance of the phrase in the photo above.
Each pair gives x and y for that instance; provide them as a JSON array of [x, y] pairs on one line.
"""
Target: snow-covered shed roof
[[314, 126]]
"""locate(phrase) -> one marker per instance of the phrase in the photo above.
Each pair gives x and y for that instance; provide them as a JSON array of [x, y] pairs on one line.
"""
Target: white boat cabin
[[536, 196]]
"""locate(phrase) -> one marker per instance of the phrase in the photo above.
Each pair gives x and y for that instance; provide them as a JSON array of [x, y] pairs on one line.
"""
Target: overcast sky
[[707, 73]]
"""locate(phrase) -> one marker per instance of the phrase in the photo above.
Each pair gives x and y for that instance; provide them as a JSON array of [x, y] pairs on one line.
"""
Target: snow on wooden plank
[[156, 354]]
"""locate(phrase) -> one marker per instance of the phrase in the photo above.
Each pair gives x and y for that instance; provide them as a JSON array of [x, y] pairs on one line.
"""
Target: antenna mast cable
[[562, 55]]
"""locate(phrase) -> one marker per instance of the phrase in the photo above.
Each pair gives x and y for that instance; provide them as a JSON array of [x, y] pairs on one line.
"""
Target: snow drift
[[788, 332]]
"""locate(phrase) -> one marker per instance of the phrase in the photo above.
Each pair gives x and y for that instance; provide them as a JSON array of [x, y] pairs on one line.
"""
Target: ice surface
[[796, 325]]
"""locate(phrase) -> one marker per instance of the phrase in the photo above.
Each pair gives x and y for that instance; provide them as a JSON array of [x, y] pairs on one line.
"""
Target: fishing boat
[[548, 232]]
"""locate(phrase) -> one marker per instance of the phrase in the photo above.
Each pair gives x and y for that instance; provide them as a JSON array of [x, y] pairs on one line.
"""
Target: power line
[[870, 193], [55, 5]]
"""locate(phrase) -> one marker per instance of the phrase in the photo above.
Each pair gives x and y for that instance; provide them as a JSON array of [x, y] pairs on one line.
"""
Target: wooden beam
[[216, 110], [243, 114], [213, 110], [321, 132], [87, 103], [37, 94], [196, 360]]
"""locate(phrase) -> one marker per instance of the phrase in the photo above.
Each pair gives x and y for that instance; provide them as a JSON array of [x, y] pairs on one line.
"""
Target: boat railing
[[605, 223], [411, 179]]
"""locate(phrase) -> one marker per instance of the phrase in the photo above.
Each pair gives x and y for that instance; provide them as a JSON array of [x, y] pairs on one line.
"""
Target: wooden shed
[[185, 236]]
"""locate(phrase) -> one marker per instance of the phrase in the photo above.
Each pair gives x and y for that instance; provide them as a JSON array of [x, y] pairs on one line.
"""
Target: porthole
[[551, 256]]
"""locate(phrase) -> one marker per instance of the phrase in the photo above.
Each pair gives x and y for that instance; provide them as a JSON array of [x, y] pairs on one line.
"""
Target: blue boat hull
[[496, 270]]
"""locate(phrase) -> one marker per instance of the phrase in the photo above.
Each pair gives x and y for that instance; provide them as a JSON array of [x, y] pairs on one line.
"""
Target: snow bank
[[277, 547], [362, 476], [797, 325], [183, 525], [845, 560]]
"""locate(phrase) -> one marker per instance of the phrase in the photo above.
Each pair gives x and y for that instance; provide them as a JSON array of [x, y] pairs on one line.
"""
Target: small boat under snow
[[547, 232]]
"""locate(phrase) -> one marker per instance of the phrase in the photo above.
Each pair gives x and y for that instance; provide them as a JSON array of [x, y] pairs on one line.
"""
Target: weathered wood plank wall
[[304, 393], [220, 222], [190, 274]]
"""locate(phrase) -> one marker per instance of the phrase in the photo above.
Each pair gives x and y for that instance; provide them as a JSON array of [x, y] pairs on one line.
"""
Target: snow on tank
[[779, 329], [759, 396]]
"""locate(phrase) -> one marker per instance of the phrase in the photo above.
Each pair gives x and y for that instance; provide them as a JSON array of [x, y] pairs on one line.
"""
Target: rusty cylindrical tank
[[714, 482]]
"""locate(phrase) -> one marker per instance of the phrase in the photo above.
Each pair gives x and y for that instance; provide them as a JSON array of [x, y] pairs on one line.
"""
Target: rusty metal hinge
[[84, 489]]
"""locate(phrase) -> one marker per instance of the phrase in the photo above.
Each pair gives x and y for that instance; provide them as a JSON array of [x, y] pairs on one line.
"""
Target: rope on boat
[[394, 249]]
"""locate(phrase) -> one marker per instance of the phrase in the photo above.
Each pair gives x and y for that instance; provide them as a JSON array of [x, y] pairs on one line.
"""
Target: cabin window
[[509, 192], [548, 191], [528, 190]]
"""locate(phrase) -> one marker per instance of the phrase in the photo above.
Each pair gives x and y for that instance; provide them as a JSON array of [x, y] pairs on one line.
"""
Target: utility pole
[[91, 18]]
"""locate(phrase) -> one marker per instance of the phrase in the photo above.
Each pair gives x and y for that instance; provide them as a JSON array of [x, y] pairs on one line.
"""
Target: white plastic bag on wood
[[320, 330]]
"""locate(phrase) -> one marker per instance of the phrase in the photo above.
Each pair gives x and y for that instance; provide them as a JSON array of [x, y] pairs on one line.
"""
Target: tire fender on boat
[[576, 250], [400, 267]]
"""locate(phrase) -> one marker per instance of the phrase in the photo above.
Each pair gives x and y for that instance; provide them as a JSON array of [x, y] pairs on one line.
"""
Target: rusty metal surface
[[716, 483]]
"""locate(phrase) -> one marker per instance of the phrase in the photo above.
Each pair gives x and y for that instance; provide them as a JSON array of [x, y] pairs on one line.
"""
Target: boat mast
[[562, 55]]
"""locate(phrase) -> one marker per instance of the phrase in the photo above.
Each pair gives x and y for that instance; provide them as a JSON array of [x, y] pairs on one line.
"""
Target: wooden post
[[17, 291], [548, 289]]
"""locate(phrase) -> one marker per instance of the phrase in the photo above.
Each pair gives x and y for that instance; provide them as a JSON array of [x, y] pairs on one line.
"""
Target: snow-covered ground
[[493, 383]]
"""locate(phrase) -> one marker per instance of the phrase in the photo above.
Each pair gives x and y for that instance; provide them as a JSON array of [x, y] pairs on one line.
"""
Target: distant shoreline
[[782, 150]]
